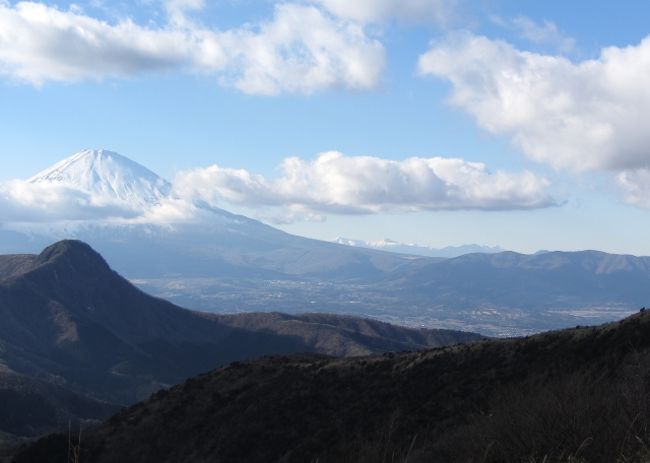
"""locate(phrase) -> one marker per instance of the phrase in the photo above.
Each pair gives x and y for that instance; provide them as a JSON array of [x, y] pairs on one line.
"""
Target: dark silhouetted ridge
[[573, 395]]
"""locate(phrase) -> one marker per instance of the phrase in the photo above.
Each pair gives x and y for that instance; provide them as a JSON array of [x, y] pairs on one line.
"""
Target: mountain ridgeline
[[552, 279], [81, 339]]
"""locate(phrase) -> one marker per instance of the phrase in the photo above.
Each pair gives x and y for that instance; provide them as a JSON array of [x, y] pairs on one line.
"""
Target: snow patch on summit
[[414, 249], [108, 175]]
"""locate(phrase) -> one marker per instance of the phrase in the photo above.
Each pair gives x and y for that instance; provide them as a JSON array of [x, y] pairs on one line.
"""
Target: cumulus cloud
[[301, 49], [588, 115], [27, 203], [39, 43], [636, 185], [544, 33], [334, 183], [177, 9], [436, 11], [541, 33], [22, 201]]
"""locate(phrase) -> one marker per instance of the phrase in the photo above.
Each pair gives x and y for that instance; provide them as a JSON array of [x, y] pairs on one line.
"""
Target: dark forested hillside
[[346, 336], [574, 395]]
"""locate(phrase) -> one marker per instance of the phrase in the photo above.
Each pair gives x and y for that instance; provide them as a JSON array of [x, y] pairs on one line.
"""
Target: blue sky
[[173, 110]]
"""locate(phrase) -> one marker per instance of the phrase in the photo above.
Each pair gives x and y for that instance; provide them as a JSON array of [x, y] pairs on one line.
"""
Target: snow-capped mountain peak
[[410, 248], [109, 175]]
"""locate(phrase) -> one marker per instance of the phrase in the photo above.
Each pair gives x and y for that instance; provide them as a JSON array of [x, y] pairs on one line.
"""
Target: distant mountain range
[[223, 263], [573, 395], [409, 248], [77, 340]]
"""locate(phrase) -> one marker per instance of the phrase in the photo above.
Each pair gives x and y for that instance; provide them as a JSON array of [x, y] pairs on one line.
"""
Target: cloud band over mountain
[[335, 183], [22, 201], [308, 189]]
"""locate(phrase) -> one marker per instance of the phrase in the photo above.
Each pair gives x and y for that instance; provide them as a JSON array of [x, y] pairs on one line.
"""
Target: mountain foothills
[[221, 262], [77, 340], [578, 395]]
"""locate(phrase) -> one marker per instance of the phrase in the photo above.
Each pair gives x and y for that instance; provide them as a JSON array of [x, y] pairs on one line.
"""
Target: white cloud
[[540, 33], [546, 33], [176, 9], [301, 49], [589, 115], [366, 11], [334, 183], [170, 211], [22, 201], [40, 43], [27, 203], [636, 185]]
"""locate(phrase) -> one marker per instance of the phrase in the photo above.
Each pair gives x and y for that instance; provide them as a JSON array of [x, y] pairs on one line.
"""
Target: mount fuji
[[107, 174]]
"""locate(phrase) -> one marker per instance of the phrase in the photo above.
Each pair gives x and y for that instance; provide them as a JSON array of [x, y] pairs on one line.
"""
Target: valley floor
[[364, 300]]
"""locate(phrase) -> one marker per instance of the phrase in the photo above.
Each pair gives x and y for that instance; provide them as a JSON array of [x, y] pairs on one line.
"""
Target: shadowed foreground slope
[[578, 393]]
